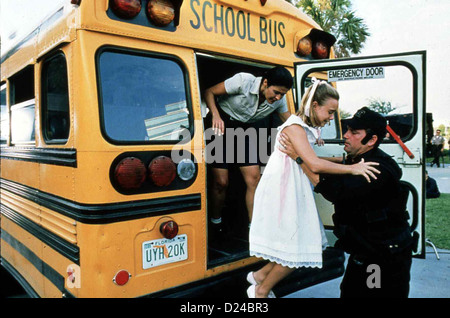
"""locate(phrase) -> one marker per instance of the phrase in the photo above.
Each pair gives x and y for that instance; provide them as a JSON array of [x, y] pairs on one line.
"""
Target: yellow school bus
[[96, 103]]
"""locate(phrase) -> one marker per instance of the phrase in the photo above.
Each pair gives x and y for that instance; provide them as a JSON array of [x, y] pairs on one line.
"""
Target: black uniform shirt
[[368, 215]]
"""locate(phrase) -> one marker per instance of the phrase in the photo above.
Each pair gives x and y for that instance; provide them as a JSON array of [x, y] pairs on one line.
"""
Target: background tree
[[441, 127], [336, 17], [381, 106], [344, 114]]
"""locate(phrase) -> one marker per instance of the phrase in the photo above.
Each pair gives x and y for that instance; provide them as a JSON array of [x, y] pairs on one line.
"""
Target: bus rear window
[[143, 98]]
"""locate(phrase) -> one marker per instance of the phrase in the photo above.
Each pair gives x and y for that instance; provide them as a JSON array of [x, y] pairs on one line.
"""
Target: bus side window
[[22, 99], [4, 128], [55, 100]]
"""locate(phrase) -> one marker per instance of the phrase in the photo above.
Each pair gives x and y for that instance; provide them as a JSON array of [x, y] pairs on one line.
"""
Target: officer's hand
[[286, 146]]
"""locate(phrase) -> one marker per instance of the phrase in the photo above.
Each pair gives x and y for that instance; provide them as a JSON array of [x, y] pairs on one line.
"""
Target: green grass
[[445, 157], [437, 221]]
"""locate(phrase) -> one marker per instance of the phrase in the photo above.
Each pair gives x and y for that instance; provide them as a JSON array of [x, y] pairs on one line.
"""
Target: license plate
[[164, 251]]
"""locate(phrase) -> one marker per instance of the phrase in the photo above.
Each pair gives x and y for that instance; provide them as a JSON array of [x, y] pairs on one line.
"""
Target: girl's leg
[[262, 273], [275, 275]]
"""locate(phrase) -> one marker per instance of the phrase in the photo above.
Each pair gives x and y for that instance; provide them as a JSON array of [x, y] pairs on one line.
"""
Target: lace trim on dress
[[287, 263]]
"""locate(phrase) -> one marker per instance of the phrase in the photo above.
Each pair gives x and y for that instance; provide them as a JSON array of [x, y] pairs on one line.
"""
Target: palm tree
[[337, 18]]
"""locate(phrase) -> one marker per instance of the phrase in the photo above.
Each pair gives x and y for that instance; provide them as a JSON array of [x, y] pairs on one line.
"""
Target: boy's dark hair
[[278, 76]]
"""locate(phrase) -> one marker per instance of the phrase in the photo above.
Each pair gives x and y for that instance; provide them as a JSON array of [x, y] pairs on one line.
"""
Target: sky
[[395, 26], [23, 15], [413, 25]]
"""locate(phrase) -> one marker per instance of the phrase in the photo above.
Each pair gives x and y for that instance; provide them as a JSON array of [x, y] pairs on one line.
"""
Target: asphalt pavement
[[429, 279], [429, 276]]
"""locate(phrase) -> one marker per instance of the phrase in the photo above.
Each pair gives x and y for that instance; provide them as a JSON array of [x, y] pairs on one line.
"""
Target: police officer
[[437, 143], [370, 218]]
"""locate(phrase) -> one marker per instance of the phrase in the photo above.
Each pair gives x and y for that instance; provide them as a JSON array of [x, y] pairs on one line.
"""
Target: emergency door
[[393, 85]]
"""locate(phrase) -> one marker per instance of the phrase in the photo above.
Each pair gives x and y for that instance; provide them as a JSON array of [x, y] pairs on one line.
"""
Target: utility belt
[[383, 231], [354, 243]]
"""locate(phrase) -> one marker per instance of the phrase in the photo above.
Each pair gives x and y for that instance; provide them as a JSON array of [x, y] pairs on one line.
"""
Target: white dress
[[286, 227]]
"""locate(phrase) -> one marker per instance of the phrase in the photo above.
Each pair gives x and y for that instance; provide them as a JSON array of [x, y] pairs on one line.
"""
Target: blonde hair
[[323, 92]]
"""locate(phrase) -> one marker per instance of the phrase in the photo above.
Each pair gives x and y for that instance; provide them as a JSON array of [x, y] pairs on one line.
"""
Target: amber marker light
[[161, 12]]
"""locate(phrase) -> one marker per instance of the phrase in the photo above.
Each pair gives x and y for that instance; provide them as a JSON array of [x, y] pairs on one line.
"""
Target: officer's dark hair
[[369, 134], [278, 76]]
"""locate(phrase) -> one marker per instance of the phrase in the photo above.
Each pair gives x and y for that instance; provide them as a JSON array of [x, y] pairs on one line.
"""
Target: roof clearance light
[[304, 47], [169, 229], [161, 12], [130, 173], [320, 50], [162, 171], [186, 169], [126, 9]]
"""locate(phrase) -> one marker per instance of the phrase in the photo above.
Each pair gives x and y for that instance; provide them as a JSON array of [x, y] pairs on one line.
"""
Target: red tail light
[[130, 173], [169, 229], [122, 277], [126, 9], [162, 171], [161, 12], [320, 50]]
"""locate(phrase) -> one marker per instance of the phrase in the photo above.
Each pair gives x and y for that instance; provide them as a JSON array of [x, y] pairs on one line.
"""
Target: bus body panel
[[66, 230], [260, 31]]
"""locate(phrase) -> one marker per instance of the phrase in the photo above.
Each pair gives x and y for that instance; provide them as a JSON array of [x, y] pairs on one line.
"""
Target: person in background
[[432, 188], [449, 147], [437, 144]]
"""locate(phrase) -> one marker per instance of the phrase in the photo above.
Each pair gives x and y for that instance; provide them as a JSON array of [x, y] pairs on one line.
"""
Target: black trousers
[[244, 152], [372, 277], [436, 150]]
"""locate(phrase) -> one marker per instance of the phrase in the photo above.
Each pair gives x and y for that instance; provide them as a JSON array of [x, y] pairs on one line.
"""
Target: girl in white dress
[[286, 228]]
